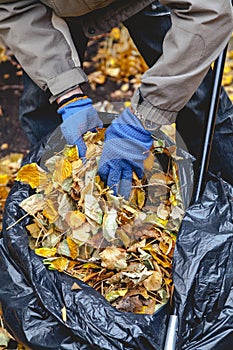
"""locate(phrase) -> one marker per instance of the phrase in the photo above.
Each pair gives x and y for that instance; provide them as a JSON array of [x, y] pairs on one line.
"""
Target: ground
[[11, 135]]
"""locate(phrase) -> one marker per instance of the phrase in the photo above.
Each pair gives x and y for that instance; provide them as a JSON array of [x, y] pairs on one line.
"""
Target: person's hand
[[79, 116], [126, 146]]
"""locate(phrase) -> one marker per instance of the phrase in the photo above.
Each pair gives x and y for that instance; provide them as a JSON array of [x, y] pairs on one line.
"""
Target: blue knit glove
[[126, 146], [78, 117]]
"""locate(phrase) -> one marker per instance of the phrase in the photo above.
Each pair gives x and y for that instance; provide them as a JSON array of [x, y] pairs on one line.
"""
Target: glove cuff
[[147, 125], [70, 99]]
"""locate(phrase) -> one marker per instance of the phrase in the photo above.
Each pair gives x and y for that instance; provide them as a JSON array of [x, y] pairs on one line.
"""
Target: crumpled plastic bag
[[203, 271], [33, 297]]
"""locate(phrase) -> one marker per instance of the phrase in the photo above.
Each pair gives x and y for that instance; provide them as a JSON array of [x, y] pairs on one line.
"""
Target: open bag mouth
[[122, 248]]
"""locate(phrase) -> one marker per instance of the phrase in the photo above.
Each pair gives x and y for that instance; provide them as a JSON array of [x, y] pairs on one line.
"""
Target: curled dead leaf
[[114, 258], [153, 282]]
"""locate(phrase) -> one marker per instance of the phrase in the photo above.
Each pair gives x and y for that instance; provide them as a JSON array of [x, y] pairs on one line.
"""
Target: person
[[179, 39]]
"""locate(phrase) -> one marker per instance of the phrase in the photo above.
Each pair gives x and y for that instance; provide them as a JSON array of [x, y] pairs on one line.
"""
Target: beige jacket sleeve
[[200, 30], [41, 42]]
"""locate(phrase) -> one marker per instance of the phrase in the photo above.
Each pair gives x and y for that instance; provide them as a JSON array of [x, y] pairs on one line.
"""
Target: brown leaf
[[33, 229], [75, 286], [113, 258], [134, 247], [163, 211], [33, 204], [82, 233], [149, 162], [129, 304], [153, 282], [123, 237]]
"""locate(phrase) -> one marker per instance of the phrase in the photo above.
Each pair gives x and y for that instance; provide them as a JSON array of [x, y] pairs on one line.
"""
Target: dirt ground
[[12, 138]]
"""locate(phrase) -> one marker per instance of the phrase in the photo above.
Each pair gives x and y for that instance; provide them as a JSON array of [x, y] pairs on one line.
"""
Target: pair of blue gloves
[[125, 148]]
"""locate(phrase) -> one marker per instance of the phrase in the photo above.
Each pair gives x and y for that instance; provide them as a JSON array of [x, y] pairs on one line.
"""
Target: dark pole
[[210, 125]]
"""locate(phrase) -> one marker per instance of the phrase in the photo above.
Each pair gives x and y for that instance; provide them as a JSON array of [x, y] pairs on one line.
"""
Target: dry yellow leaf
[[127, 104], [227, 80], [59, 264], [75, 219], [125, 87], [33, 175], [50, 212], [227, 68], [97, 77], [115, 33], [3, 56], [163, 261], [63, 170], [4, 191], [73, 247], [4, 178], [141, 197], [165, 248], [230, 54], [46, 252], [71, 153]]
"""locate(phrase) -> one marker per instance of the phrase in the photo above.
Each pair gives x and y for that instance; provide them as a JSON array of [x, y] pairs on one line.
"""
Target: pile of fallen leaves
[[121, 248], [9, 166], [227, 81], [119, 59], [3, 55]]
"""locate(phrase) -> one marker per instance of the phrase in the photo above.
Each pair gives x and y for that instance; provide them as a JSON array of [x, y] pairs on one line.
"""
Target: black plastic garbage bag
[[203, 271], [32, 297]]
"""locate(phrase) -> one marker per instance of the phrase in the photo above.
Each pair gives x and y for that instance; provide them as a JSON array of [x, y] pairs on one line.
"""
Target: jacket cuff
[[151, 114], [65, 82]]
